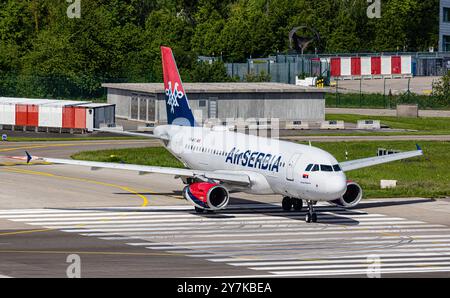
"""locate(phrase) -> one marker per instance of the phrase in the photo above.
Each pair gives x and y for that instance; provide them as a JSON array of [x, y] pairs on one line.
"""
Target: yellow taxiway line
[[75, 143], [45, 174]]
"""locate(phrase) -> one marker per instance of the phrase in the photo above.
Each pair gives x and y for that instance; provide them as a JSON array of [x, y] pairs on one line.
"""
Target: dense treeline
[[118, 40]]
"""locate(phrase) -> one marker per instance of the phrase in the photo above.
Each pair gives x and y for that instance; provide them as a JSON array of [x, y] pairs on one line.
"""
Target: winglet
[[418, 147], [29, 157]]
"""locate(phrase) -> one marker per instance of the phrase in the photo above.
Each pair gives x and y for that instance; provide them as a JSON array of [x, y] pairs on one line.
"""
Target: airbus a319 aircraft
[[219, 161]]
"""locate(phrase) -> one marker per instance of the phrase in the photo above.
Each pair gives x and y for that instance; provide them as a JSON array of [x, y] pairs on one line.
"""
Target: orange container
[[32, 115], [80, 118], [74, 117], [21, 115], [68, 117]]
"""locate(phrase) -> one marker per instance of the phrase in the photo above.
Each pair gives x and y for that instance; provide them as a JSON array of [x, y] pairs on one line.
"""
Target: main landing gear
[[289, 203], [201, 210]]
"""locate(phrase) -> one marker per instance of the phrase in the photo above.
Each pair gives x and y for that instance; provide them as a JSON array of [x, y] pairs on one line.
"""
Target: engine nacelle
[[206, 195], [351, 197]]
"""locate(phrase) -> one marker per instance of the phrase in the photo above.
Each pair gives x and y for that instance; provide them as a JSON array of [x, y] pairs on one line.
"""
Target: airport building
[[444, 26], [146, 102]]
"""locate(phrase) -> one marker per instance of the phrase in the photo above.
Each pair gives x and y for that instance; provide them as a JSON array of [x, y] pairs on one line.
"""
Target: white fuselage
[[274, 166]]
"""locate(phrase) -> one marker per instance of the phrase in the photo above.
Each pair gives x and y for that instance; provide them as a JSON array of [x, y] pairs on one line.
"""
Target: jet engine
[[351, 197], [206, 195]]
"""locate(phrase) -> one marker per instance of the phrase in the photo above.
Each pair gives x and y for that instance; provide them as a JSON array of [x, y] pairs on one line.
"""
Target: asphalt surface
[[122, 224]]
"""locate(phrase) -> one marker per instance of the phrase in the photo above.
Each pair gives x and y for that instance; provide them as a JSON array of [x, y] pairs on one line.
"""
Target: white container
[[333, 124], [369, 124], [7, 114], [406, 65], [50, 116], [386, 66], [366, 66], [297, 124], [384, 184], [346, 67]]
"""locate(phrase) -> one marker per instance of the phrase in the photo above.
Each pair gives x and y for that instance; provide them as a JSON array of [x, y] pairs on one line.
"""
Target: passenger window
[[326, 168], [337, 168], [315, 168], [308, 168]]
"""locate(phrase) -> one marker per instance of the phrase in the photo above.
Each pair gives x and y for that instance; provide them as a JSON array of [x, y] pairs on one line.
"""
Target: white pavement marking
[[263, 237]]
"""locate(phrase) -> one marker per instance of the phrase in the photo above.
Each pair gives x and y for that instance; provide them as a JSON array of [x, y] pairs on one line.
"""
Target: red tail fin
[[178, 110]]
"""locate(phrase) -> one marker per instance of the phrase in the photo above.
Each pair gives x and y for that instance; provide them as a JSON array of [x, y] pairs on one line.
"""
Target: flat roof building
[[146, 102]]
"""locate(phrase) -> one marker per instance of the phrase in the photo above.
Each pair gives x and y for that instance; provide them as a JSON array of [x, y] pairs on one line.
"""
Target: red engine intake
[[207, 195]]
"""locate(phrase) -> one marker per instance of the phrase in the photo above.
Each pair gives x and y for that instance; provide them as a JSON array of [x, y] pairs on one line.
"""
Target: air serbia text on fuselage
[[256, 160]]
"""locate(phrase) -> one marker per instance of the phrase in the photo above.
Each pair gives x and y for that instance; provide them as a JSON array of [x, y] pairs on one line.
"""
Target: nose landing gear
[[288, 203], [311, 216]]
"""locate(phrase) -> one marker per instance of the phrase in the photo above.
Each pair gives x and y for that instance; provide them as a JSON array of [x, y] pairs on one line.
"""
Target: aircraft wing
[[229, 177], [132, 134], [372, 161]]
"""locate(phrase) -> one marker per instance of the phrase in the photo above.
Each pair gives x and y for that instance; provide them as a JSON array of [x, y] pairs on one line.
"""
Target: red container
[[396, 65], [74, 117], [356, 66], [335, 67], [376, 65], [32, 115], [21, 115], [80, 118], [27, 115]]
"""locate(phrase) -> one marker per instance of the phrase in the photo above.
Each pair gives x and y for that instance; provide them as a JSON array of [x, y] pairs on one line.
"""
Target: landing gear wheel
[[298, 204], [199, 210], [311, 216], [287, 204], [308, 218]]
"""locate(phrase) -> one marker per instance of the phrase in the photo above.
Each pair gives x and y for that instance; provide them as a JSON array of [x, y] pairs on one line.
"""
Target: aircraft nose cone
[[336, 186]]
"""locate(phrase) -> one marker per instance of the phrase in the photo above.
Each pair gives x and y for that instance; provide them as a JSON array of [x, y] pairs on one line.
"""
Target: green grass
[[30, 139], [150, 156], [375, 100], [428, 126], [427, 176]]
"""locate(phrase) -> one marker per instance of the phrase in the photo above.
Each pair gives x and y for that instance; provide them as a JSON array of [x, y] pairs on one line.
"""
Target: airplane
[[219, 161]]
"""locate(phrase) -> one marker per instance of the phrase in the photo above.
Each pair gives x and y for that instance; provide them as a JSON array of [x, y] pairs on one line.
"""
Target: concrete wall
[[284, 106], [121, 98]]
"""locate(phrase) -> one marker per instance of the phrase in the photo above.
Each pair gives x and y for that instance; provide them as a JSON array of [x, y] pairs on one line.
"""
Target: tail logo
[[173, 96]]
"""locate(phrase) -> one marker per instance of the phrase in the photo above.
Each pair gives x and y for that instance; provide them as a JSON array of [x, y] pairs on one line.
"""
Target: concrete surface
[[385, 112], [418, 85], [125, 225]]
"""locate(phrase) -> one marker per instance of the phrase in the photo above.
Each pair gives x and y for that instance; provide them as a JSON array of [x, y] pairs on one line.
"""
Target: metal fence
[[387, 94], [281, 72], [284, 68]]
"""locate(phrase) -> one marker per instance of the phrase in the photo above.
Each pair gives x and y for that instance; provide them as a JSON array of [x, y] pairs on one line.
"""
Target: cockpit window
[[326, 168], [337, 168], [308, 168], [315, 168]]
